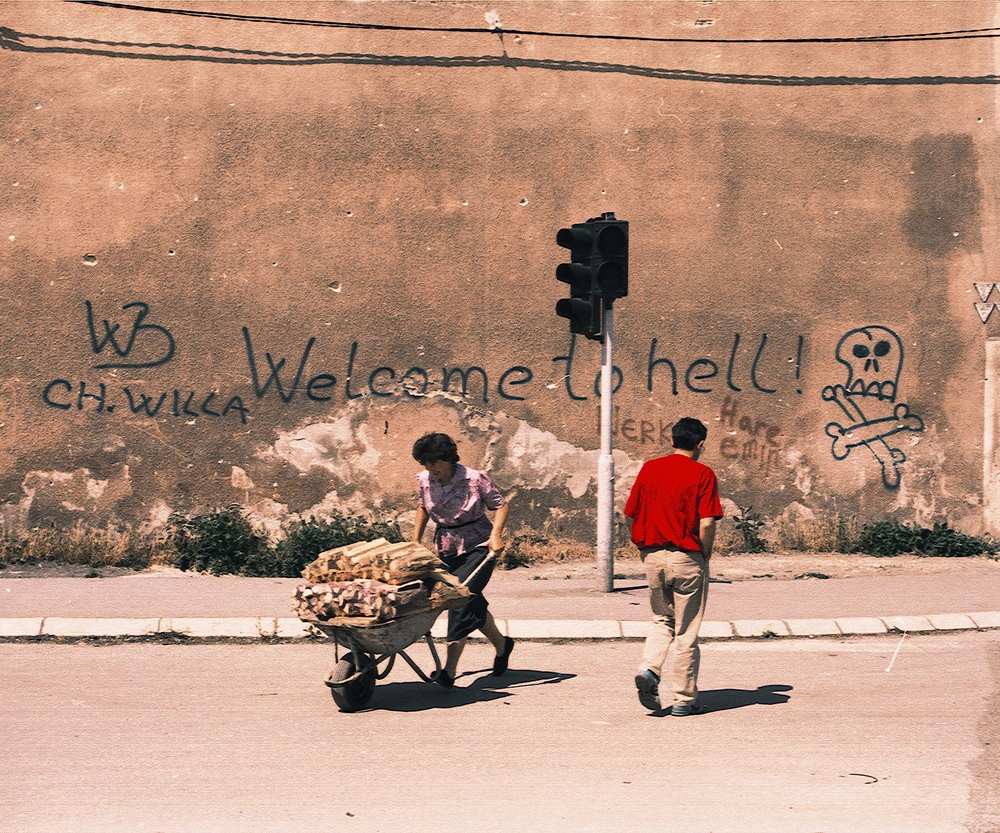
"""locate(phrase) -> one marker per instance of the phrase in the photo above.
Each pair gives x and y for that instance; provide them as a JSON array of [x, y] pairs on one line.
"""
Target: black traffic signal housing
[[609, 260], [597, 273], [583, 307]]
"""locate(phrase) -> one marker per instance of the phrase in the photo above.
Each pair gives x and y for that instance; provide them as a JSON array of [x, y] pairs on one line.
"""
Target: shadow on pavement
[[421, 696], [723, 699]]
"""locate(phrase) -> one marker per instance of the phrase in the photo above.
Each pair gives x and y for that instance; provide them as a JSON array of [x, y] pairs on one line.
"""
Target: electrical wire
[[957, 34]]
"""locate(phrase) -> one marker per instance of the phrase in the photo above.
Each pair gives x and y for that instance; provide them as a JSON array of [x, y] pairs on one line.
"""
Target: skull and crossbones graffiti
[[874, 359]]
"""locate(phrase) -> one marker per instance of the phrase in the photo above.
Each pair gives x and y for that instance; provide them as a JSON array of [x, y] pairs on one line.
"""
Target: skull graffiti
[[874, 359]]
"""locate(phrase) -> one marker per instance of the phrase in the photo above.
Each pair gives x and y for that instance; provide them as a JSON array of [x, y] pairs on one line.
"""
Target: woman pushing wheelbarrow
[[456, 498]]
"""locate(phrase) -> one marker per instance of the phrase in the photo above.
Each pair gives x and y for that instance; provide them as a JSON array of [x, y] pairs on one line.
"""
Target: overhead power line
[[957, 34], [26, 42]]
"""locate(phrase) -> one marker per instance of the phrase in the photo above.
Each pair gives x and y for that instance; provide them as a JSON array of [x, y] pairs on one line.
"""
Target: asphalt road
[[810, 736]]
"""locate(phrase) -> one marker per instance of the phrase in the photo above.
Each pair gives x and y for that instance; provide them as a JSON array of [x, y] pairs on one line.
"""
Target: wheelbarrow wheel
[[352, 696]]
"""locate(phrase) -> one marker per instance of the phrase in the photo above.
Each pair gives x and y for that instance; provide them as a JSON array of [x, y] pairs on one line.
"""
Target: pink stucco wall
[[240, 253]]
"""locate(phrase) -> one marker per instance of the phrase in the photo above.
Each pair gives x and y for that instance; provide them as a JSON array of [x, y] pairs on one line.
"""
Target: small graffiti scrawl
[[874, 358]]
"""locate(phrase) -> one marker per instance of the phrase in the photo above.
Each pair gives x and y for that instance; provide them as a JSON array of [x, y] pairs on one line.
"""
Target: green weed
[[307, 539], [749, 524], [888, 538], [220, 541], [225, 541]]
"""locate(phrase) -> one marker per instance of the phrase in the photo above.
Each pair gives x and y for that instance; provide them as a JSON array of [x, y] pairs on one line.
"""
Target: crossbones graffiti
[[874, 359]]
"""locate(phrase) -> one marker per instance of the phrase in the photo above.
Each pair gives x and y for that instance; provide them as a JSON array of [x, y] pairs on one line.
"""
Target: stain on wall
[[944, 195]]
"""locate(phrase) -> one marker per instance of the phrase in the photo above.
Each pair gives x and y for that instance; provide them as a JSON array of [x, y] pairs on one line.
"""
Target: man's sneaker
[[648, 685], [684, 709]]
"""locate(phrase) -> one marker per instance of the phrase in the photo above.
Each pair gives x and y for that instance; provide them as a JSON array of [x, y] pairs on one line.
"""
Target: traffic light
[[609, 260], [585, 315], [583, 307], [597, 273]]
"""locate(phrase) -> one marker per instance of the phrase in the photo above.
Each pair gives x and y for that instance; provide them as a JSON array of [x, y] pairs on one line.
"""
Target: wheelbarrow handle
[[488, 560]]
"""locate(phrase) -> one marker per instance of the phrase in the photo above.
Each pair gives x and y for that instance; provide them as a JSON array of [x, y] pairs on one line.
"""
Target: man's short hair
[[431, 448], [687, 433]]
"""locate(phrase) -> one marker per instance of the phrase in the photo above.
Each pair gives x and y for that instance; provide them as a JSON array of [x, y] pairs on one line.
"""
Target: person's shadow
[[723, 699], [417, 696]]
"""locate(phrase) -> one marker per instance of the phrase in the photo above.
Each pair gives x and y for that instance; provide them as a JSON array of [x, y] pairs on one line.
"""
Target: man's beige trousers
[[678, 589]]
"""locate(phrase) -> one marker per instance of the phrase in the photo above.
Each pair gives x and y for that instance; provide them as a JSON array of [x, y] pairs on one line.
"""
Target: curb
[[271, 628]]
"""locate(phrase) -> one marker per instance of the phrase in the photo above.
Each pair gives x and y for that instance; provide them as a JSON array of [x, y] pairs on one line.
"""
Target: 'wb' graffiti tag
[[873, 357], [123, 352]]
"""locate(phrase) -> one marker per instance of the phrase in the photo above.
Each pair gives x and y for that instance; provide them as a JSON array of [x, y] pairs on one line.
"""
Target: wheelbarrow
[[371, 643]]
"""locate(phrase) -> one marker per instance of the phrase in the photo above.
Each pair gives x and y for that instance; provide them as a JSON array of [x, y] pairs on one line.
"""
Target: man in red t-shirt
[[674, 505]]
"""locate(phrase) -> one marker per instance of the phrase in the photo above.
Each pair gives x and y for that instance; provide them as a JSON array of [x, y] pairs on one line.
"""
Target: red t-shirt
[[668, 500]]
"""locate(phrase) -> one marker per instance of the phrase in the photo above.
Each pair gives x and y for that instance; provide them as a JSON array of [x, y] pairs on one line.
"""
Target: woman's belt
[[459, 526]]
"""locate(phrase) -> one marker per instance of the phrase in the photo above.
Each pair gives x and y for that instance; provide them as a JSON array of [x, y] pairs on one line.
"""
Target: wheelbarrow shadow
[[417, 696], [724, 699]]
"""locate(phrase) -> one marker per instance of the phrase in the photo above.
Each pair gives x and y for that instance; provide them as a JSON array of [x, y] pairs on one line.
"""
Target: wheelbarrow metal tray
[[388, 637]]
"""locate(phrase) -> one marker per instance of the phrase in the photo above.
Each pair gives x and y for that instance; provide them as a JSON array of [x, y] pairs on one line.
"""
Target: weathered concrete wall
[[252, 260]]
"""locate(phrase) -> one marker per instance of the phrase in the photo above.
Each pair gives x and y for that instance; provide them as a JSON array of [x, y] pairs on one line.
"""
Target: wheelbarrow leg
[[415, 667], [434, 653]]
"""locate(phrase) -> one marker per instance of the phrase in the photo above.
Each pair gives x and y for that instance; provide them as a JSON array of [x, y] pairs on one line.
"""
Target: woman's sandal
[[443, 679], [500, 663]]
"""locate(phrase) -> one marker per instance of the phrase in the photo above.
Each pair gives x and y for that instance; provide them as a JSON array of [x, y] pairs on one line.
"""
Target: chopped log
[[359, 598], [379, 560]]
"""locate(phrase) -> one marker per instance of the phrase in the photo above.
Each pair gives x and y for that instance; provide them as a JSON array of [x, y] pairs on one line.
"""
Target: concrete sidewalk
[[205, 606]]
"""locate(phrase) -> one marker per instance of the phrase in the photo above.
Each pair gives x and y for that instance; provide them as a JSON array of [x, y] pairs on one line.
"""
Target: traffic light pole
[[597, 275], [606, 464]]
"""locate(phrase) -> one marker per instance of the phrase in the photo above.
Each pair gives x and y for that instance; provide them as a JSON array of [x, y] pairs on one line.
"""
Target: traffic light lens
[[612, 280], [578, 239], [584, 315], [577, 276], [567, 307], [612, 242]]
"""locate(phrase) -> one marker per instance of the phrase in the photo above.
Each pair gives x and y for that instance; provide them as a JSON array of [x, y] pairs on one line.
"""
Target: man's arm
[[706, 533]]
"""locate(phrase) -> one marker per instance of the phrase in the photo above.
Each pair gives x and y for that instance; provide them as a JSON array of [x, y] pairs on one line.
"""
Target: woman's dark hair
[[431, 448], [687, 433]]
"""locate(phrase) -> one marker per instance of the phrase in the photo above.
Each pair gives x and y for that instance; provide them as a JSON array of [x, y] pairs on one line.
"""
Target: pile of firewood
[[380, 560], [376, 580], [362, 597]]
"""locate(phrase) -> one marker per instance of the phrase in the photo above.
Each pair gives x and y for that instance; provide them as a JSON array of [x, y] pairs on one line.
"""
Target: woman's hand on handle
[[497, 544]]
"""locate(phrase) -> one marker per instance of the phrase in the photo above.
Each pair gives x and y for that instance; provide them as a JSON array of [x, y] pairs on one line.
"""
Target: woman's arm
[[496, 536], [420, 524]]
